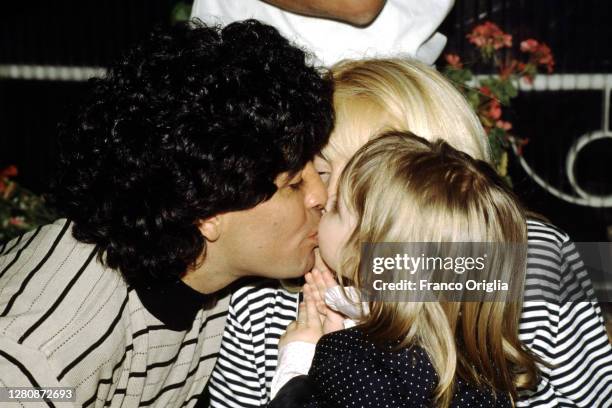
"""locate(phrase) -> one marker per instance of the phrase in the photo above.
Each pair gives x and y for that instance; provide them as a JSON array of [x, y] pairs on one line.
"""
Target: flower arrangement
[[489, 94], [20, 209]]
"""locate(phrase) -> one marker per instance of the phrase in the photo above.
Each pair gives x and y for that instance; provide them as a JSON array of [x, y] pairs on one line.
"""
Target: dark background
[[580, 36], [93, 33], [59, 32]]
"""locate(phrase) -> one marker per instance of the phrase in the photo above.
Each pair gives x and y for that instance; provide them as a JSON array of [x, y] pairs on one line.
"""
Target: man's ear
[[211, 228]]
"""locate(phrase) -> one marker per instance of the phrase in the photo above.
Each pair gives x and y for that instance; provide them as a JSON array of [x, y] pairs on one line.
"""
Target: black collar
[[175, 305]]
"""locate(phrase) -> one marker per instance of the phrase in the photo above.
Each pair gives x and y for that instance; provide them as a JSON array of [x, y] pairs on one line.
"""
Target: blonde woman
[[413, 353], [562, 323]]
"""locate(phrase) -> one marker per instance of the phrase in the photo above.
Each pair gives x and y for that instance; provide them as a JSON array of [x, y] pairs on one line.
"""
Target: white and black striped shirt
[[68, 321], [566, 330]]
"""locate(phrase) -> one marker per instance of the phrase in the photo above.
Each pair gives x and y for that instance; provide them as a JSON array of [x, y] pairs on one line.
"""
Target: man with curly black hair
[[189, 168]]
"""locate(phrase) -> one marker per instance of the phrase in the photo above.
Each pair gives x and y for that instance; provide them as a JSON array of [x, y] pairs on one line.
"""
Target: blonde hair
[[376, 95], [403, 188]]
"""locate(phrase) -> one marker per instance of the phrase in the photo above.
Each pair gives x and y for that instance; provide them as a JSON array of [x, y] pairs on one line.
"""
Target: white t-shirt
[[404, 27]]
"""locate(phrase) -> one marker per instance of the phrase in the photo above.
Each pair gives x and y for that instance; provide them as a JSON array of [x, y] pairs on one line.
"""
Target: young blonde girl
[[402, 188]]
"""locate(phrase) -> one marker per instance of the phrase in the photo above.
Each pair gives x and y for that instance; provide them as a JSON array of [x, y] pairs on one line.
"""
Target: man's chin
[[310, 263], [306, 267], [296, 269]]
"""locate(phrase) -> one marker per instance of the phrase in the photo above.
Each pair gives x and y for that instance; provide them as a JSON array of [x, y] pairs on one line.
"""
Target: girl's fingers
[[311, 291], [312, 284], [319, 283], [315, 289], [307, 328], [302, 316], [328, 279], [308, 278], [312, 314]]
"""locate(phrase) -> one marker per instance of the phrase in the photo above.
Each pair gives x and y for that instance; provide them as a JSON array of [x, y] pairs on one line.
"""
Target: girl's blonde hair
[[375, 95], [403, 188]]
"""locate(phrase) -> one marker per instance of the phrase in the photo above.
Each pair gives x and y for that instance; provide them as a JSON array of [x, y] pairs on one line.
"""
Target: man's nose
[[316, 197]]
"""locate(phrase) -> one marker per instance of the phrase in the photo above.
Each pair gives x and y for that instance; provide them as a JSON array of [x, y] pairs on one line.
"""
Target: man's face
[[277, 238]]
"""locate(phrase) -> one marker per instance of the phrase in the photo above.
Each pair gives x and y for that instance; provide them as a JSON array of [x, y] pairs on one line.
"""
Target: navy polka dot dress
[[349, 371]]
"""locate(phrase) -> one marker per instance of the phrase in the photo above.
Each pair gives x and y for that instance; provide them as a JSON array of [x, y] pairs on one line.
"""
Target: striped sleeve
[[234, 382], [563, 324], [258, 316]]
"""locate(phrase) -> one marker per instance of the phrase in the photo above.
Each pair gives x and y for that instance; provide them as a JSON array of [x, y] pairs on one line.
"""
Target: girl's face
[[336, 226], [336, 223]]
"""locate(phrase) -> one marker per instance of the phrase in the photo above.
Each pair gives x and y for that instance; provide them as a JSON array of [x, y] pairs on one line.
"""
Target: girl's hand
[[317, 283], [320, 279], [308, 327]]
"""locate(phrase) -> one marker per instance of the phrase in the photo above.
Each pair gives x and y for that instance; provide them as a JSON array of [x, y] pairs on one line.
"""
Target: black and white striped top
[[68, 321], [566, 330]]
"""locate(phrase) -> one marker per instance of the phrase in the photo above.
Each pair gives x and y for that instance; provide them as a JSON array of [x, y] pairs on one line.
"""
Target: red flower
[[529, 45], [489, 36], [485, 90], [540, 53], [493, 107], [10, 171], [16, 221], [494, 111], [454, 61], [544, 57]]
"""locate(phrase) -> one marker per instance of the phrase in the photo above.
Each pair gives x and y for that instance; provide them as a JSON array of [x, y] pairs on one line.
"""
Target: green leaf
[[510, 89], [474, 98], [497, 143], [457, 76]]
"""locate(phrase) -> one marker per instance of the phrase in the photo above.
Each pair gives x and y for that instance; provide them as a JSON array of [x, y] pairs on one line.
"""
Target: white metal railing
[[50, 72], [571, 82]]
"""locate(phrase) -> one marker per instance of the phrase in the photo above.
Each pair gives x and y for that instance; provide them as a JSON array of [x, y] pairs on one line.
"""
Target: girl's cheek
[[325, 238]]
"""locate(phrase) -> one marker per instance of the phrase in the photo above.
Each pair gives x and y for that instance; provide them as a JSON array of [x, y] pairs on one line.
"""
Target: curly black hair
[[193, 122]]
